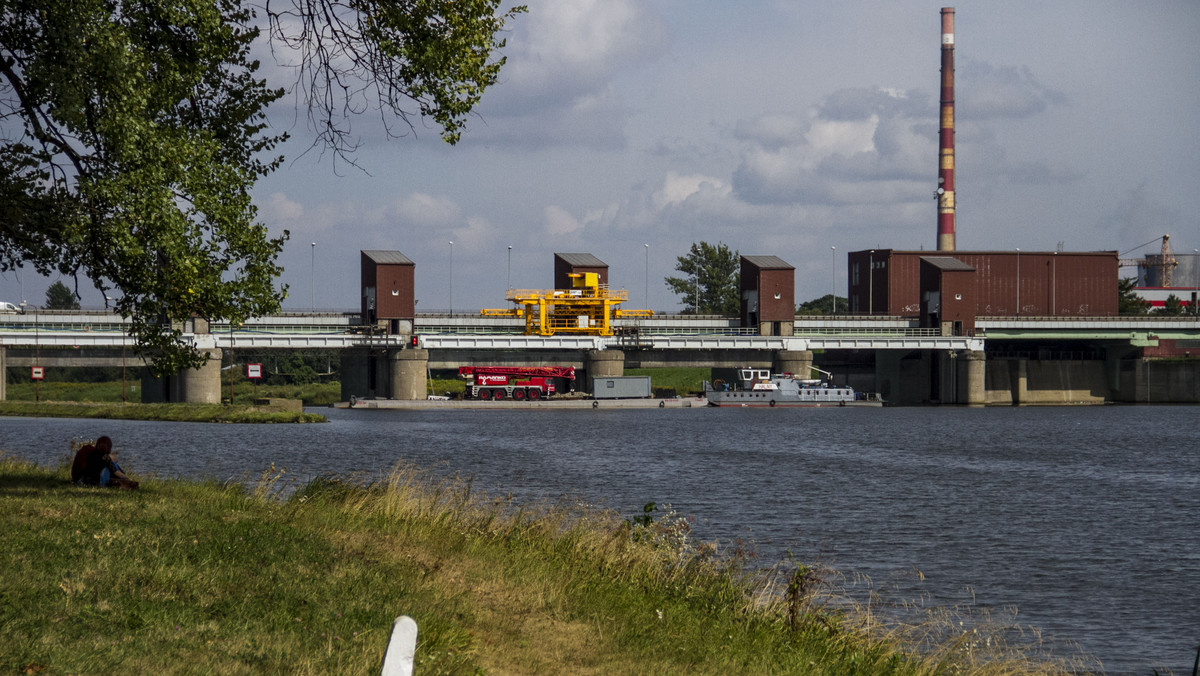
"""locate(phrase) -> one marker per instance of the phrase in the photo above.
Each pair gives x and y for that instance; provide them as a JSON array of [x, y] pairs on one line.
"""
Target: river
[[1085, 520]]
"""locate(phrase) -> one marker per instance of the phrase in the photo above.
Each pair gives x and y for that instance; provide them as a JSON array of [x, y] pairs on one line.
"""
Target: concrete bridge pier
[[603, 364], [409, 373], [1020, 381], [797, 362], [3, 374], [192, 386], [974, 363]]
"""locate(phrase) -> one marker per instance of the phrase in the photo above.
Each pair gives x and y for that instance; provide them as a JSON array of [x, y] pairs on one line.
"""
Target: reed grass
[[162, 412], [189, 577]]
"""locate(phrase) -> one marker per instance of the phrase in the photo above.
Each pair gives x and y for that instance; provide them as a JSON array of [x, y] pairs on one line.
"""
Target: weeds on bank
[[185, 576], [161, 412]]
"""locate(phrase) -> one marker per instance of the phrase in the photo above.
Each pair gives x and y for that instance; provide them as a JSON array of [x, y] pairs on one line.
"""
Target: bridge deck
[[669, 332]]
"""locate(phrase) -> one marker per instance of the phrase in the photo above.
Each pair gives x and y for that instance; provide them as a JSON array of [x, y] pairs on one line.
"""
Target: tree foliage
[[133, 133], [59, 297], [1128, 302], [824, 306], [432, 58], [1172, 306], [713, 280]]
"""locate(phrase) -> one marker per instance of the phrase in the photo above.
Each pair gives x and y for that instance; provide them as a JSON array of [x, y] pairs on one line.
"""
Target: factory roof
[[582, 260], [768, 262], [384, 257]]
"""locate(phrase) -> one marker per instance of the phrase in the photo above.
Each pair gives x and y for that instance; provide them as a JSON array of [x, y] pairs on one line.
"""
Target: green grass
[[314, 394], [453, 387], [684, 380], [163, 412], [82, 392], [245, 392], [184, 577]]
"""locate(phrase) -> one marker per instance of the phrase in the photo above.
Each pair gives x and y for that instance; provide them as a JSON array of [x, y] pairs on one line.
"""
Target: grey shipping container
[[621, 387]]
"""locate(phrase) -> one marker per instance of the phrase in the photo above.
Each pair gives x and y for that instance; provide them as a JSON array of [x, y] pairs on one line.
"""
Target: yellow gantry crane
[[587, 308]]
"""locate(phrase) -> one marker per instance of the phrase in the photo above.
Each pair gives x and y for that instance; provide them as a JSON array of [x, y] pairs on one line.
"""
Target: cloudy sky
[[777, 127]]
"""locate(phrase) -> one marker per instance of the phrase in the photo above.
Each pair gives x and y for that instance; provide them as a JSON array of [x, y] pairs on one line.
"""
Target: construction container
[[621, 387]]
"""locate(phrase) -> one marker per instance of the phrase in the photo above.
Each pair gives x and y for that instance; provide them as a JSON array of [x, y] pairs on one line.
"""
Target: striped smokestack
[[945, 191]]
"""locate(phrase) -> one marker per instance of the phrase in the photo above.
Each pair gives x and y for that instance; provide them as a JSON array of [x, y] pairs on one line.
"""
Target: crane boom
[[1165, 262]]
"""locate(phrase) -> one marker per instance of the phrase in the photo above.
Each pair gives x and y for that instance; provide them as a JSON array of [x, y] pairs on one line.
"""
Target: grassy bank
[[244, 393], [188, 577], [217, 413]]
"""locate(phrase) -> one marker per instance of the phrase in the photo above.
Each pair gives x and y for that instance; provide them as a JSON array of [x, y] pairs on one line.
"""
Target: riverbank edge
[[206, 413], [540, 404], [494, 586]]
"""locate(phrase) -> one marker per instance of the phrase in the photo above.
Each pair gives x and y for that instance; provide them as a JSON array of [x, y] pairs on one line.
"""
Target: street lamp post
[[451, 276], [510, 267], [647, 297], [871, 284], [1054, 285], [833, 275], [1018, 282], [312, 272], [1195, 281]]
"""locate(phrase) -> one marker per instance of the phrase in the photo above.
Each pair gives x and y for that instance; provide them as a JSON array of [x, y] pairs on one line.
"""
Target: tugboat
[[759, 387]]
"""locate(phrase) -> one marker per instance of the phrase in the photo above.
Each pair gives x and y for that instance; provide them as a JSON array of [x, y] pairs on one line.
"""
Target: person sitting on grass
[[95, 465]]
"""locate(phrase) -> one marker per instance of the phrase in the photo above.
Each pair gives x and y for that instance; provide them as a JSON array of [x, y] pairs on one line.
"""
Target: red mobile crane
[[518, 382]]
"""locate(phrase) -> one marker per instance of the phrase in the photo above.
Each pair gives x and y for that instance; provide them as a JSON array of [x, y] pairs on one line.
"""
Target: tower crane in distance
[[1165, 262]]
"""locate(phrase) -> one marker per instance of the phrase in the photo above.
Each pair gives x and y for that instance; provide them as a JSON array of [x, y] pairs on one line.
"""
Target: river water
[[1085, 520]]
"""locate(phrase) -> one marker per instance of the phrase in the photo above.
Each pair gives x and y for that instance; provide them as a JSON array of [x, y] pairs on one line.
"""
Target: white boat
[[759, 387]]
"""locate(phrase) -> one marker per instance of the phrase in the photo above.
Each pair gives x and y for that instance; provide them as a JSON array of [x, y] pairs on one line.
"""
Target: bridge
[[341, 330], [446, 340]]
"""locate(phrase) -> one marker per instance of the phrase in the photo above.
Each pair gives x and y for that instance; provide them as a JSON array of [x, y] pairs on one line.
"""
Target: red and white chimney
[[945, 190]]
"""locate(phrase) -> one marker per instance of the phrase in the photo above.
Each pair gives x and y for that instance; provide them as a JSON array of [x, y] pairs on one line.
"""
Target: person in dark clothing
[[94, 465]]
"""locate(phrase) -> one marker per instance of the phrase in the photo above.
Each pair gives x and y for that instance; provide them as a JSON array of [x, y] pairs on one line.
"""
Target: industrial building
[[1162, 275], [388, 290], [1002, 284], [768, 298], [567, 264]]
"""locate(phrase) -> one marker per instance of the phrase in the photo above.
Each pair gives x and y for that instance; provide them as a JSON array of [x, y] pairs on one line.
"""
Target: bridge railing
[[1144, 319], [867, 331]]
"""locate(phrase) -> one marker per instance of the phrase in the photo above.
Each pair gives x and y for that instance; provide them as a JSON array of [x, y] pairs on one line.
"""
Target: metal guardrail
[[328, 330], [1142, 319], [867, 331]]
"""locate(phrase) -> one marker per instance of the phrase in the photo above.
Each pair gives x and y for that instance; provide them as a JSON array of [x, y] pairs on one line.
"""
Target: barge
[[759, 387]]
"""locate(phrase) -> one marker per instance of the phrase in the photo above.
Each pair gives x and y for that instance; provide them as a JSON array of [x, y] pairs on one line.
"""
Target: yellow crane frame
[[587, 308]]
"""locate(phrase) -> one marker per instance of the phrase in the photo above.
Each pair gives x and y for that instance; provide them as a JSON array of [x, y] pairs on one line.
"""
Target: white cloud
[[988, 92], [677, 189], [425, 210], [772, 131], [860, 146], [279, 208], [558, 222], [565, 49], [557, 87]]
